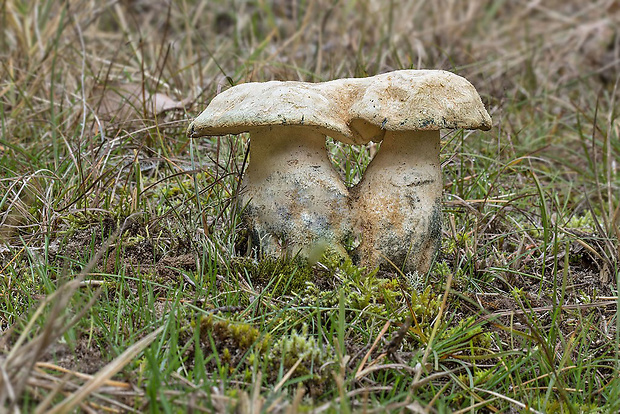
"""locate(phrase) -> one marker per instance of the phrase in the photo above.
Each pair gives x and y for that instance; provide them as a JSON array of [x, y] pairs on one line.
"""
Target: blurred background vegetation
[[95, 97]]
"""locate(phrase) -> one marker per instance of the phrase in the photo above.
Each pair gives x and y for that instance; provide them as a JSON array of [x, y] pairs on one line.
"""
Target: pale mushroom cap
[[354, 111], [250, 106], [417, 100]]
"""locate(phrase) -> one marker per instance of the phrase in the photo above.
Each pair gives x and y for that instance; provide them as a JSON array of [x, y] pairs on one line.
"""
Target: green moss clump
[[365, 294], [233, 340], [583, 222], [553, 406], [299, 346], [279, 276], [241, 347], [425, 305], [302, 349], [480, 376]]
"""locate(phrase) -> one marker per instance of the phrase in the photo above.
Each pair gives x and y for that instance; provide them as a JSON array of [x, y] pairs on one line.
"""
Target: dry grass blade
[[434, 376], [95, 98], [474, 406], [551, 308], [54, 391], [64, 385], [24, 336], [252, 403], [121, 103], [511, 400], [429, 343], [294, 407], [104, 375], [287, 375], [20, 362], [406, 368], [45, 365], [358, 374], [17, 366], [353, 393], [524, 384]]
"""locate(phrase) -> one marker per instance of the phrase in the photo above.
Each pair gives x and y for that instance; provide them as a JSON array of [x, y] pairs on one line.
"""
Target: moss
[[232, 338], [81, 221], [185, 184], [133, 241], [461, 280], [299, 346], [279, 276], [425, 305], [302, 349], [583, 222], [225, 357], [241, 347], [366, 296], [554, 406]]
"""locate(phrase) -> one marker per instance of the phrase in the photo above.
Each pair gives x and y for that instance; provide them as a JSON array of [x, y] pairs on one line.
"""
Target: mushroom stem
[[294, 200], [398, 202]]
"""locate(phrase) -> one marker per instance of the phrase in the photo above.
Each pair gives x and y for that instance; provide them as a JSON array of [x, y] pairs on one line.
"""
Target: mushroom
[[295, 201], [397, 204]]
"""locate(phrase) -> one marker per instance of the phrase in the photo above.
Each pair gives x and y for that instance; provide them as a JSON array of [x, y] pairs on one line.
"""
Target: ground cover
[[124, 282]]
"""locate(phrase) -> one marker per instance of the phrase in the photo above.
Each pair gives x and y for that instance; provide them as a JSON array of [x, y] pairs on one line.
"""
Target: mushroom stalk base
[[294, 201], [397, 205]]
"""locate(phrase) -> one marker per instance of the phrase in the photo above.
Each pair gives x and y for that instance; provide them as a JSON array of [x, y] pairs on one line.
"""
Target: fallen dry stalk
[[40, 366], [550, 308], [358, 374], [105, 374], [16, 368]]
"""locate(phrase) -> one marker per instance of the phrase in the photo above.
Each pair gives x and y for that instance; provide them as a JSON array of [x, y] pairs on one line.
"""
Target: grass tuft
[[123, 281]]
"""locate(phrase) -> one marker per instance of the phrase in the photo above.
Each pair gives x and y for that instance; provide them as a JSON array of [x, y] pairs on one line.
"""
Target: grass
[[123, 283]]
